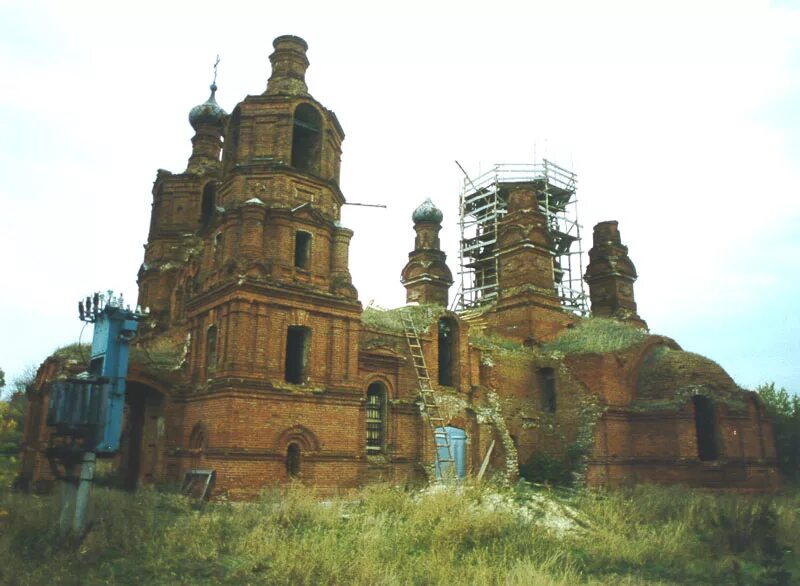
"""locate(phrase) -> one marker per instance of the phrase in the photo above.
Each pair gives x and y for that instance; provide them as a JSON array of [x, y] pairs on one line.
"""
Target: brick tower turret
[[426, 276], [276, 287], [528, 307], [610, 275], [182, 204]]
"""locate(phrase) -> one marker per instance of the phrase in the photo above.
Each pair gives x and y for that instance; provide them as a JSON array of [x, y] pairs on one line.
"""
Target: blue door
[[457, 438]]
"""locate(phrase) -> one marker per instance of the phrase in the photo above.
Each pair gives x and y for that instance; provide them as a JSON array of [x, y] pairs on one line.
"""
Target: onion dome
[[208, 112], [427, 212]]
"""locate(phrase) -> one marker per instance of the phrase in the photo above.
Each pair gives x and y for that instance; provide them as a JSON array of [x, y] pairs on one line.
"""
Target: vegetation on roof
[[668, 379], [597, 335], [389, 320], [494, 342], [80, 353]]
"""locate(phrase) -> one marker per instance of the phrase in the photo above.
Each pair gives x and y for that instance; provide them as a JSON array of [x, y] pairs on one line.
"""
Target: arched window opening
[[208, 203], [211, 350], [293, 460], [297, 343], [302, 249], [547, 385], [197, 443], [706, 427], [306, 138], [448, 352], [376, 418]]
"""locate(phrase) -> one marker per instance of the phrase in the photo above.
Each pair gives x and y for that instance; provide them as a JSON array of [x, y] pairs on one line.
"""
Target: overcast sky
[[682, 120]]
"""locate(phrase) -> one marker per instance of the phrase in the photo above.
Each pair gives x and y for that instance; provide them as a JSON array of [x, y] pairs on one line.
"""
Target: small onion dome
[[427, 212], [208, 112]]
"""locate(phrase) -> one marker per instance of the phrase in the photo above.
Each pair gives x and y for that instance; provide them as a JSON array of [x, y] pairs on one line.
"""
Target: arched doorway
[[457, 438], [142, 442]]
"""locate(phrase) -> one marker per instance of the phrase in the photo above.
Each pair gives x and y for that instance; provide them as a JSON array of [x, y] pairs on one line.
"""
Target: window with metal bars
[[376, 417]]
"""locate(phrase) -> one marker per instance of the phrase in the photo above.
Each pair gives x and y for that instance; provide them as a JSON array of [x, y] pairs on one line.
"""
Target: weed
[[469, 533]]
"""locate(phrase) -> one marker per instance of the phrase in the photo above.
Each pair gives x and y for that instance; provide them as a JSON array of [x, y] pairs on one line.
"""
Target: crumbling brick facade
[[259, 362]]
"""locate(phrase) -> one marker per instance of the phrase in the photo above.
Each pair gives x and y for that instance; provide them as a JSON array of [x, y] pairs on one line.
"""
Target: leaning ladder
[[429, 407]]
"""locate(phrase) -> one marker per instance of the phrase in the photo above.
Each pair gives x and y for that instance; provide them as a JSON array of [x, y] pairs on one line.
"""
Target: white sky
[[681, 118]]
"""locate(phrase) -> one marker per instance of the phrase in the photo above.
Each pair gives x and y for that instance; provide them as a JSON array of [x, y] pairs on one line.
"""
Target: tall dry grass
[[383, 535]]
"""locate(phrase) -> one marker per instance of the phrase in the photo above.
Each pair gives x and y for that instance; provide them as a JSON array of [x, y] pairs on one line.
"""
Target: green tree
[[13, 403], [784, 409]]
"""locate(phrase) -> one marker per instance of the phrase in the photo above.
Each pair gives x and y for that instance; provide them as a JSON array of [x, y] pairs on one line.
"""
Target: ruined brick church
[[258, 361]]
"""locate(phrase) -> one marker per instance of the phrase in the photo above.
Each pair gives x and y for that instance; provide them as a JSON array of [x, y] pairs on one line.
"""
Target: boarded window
[[302, 249], [706, 427], [297, 341], [376, 417], [447, 351], [547, 385], [306, 138], [293, 460], [211, 350]]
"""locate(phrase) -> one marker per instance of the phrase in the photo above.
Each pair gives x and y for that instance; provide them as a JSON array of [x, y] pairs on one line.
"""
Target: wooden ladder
[[430, 408]]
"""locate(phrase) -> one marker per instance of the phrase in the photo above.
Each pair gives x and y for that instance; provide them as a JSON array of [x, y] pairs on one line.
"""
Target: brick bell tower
[[246, 253], [276, 301], [426, 277], [610, 275], [182, 202], [528, 307]]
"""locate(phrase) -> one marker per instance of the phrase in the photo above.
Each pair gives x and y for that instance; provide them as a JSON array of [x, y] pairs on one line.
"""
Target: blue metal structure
[[90, 406], [457, 439]]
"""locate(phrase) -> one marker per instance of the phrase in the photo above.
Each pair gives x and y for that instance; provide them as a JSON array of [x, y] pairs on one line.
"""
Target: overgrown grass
[[389, 320], [597, 334], [383, 535]]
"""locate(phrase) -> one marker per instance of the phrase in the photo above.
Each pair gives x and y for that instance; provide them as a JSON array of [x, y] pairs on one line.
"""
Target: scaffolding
[[483, 204]]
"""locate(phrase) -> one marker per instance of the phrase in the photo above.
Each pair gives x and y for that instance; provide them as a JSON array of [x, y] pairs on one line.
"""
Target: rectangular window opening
[[302, 249], [547, 384], [297, 342]]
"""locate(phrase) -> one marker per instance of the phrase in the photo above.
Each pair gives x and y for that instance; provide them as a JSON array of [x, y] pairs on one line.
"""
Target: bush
[[545, 469]]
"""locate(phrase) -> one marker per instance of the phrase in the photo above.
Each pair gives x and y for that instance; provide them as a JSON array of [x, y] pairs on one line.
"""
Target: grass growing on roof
[[77, 352], [597, 334], [389, 320]]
